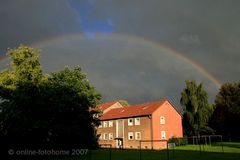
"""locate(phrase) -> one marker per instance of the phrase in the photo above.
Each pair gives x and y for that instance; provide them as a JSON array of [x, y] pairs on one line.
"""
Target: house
[[109, 106], [124, 127]]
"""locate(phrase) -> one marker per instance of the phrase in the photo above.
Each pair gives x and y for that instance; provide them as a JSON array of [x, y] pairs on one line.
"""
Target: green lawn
[[231, 151], [226, 148]]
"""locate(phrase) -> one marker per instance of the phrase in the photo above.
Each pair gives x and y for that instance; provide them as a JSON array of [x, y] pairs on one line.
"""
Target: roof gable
[[106, 105]]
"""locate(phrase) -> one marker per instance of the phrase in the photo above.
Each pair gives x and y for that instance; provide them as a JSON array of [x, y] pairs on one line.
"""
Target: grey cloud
[[29, 21], [190, 39]]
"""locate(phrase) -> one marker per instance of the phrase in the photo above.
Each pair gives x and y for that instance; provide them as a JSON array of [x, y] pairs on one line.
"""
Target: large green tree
[[227, 113], [45, 109], [197, 109]]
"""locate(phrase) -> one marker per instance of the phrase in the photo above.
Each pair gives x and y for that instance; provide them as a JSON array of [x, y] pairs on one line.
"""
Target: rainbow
[[141, 40]]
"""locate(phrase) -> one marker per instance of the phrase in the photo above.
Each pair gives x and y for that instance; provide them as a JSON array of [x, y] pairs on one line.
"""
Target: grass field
[[231, 151]]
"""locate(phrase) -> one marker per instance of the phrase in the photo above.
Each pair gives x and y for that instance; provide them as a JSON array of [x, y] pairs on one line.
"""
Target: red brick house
[[126, 126]]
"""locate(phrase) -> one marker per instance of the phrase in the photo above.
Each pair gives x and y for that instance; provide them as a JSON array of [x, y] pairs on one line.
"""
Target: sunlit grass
[[210, 148]]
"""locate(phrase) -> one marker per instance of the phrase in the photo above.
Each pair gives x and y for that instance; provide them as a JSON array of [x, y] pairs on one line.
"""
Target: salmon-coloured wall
[[173, 122]]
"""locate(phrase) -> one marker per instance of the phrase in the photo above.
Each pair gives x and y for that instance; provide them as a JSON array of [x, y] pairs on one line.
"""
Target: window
[[96, 115], [130, 122], [138, 135], [163, 135], [130, 135], [105, 124], [162, 120], [105, 136], [110, 136], [137, 121], [100, 125], [110, 123]]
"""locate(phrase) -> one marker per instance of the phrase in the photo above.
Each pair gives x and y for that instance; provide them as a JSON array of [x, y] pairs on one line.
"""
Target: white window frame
[[110, 123], [105, 124], [130, 123], [136, 135], [110, 136], [137, 121], [129, 135], [100, 125], [105, 136], [95, 115], [163, 134], [162, 120]]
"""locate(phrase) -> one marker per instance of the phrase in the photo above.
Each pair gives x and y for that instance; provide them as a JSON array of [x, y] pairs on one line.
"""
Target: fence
[[206, 142], [154, 145]]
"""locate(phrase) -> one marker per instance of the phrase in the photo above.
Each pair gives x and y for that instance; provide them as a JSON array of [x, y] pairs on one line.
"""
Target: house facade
[[153, 123]]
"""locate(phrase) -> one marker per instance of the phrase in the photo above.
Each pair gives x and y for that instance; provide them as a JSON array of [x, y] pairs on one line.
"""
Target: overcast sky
[[130, 49]]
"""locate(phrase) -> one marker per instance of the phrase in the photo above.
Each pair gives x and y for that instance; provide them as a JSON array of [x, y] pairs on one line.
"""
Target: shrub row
[[178, 141]]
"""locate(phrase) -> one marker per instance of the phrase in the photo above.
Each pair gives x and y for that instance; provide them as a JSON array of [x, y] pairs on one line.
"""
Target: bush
[[178, 141]]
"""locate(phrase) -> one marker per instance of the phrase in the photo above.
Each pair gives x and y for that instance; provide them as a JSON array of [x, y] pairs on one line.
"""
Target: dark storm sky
[[205, 32]]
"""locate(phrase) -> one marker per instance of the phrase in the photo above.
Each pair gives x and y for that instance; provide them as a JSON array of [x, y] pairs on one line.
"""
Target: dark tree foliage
[[196, 109], [226, 116], [40, 110]]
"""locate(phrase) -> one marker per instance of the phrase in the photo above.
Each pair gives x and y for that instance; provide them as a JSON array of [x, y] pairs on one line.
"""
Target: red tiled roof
[[103, 106], [132, 111], [106, 105]]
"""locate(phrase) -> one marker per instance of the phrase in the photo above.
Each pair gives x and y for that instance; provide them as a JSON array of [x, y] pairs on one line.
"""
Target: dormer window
[[145, 107]]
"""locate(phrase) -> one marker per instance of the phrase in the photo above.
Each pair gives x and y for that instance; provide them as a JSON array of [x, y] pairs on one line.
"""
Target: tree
[[45, 110], [227, 112], [196, 108], [124, 103]]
